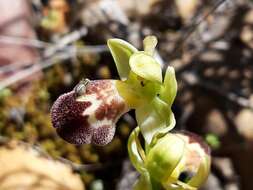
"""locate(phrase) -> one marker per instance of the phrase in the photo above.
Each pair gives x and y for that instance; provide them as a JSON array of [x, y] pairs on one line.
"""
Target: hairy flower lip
[[88, 117], [67, 120]]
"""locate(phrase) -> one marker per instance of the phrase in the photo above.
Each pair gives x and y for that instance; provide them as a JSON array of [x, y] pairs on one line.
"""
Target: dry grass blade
[[67, 53], [193, 27], [24, 41]]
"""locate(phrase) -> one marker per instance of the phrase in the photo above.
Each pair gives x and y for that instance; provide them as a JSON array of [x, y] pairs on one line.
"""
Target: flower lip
[[194, 138], [67, 118], [88, 113], [196, 162]]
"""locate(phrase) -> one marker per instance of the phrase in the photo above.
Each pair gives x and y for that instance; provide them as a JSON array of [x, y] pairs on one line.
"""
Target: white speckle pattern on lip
[[90, 111], [104, 101]]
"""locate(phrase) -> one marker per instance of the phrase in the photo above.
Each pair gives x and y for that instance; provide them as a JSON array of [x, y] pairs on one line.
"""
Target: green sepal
[[121, 52], [164, 157], [154, 118], [164, 131], [146, 67]]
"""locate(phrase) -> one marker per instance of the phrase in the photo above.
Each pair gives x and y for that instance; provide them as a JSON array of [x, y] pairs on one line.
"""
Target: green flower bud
[[179, 161], [197, 160]]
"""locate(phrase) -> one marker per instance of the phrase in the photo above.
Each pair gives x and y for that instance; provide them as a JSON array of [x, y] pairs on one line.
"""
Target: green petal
[[146, 67], [137, 91], [149, 44], [135, 151], [121, 52], [169, 90]]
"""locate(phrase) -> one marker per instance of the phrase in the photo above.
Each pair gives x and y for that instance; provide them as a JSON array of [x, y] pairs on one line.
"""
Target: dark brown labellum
[[88, 114]]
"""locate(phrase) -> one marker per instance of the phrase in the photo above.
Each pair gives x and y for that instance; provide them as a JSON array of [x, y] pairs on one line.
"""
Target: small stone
[[244, 123], [25, 167]]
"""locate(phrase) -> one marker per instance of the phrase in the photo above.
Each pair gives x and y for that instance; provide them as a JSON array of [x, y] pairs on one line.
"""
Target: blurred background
[[48, 46]]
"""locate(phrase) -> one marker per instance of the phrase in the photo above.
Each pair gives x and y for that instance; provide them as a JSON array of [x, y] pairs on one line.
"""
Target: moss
[[36, 127]]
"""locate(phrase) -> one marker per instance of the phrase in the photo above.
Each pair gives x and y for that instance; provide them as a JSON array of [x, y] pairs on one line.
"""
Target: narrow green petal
[[121, 52], [169, 90], [135, 151], [146, 67], [149, 44]]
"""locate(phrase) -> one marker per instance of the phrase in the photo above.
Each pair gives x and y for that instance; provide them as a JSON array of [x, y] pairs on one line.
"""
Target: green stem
[[156, 185]]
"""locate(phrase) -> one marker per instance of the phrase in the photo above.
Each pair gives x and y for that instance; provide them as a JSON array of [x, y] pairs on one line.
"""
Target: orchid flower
[[89, 113]]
